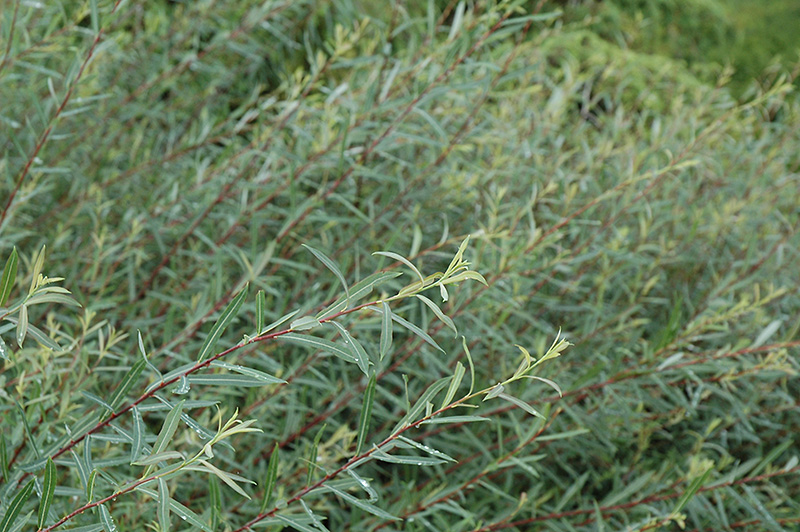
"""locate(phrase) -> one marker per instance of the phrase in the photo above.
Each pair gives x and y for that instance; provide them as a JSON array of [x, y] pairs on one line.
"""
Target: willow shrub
[[297, 264]]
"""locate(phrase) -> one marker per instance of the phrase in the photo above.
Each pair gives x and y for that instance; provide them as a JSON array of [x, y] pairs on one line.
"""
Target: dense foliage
[[193, 195]]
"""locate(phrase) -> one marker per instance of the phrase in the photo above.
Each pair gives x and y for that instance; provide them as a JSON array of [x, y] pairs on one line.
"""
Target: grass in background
[[175, 157]]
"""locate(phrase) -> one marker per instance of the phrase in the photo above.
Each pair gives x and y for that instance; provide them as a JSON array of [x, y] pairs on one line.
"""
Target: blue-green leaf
[[222, 323], [386, 330], [356, 349], [9, 277], [15, 507], [366, 413], [364, 505], [332, 267], [107, 520], [272, 477], [48, 489]]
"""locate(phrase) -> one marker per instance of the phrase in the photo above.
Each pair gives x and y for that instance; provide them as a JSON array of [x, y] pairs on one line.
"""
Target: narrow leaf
[[272, 477], [90, 485], [127, 383], [402, 259], [37, 334], [294, 523], [167, 432], [38, 264], [93, 398], [163, 505], [227, 478], [48, 490], [159, 457], [522, 404], [183, 512], [321, 344], [261, 301], [454, 419], [9, 277], [15, 507], [413, 328], [364, 505], [305, 323], [22, 325], [280, 321], [422, 402], [406, 459], [250, 372], [386, 330], [107, 520], [332, 267], [454, 384], [356, 349], [222, 323], [695, 485], [366, 413], [550, 383], [424, 448], [469, 274], [439, 314], [358, 291], [224, 379]]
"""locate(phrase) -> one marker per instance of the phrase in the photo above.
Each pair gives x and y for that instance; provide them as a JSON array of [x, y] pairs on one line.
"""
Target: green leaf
[[297, 525], [550, 383], [305, 323], [225, 379], [38, 264], [159, 457], [320, 344], [250, 372], [107, 520], [163, 505], [695, 485], [272, 477], [127, 383], [366, 413], [358, 291], [5, 352], [283, 319], [469, 274], [332, 267], [413, 328], [177, 508], [386, 330], [90, 485], [261, 301], [93, 398], [454, 384], [3, 457], [15, 507], [402, 259], [364, 505], [167, 432], [406, 459], [439, 314], [60, 299], [356, 349], [94, 17], [138, 435], [228, 478], [22, 325], [522, 404], [48, 490], [422, 402], [454, 419], [37, 334], [9, 277], [222, 323]]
